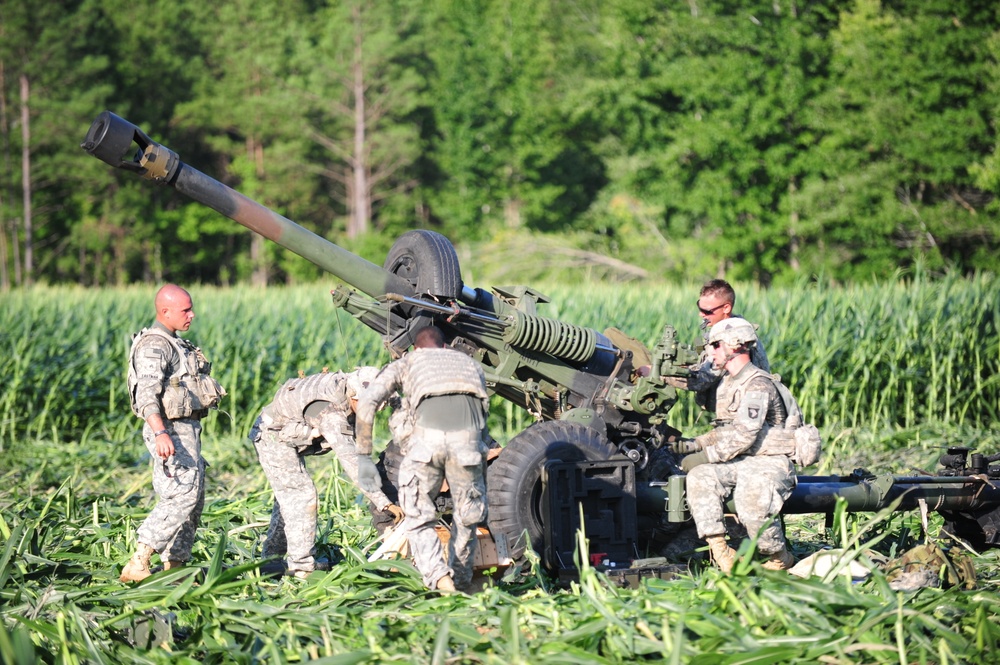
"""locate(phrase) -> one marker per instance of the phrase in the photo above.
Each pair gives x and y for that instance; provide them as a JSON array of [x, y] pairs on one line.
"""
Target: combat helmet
[[734, 332]]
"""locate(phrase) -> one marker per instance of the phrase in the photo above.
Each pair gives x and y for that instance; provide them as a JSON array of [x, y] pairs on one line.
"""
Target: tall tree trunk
[[26, 182], [4, 143], [359, 196]]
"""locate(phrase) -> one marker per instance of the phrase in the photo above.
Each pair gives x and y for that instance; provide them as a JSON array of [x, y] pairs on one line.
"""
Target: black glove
[[693, 460], [368, 478]]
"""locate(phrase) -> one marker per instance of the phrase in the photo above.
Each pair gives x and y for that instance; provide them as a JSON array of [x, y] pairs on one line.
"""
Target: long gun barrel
[[121, 144], [552, 366]]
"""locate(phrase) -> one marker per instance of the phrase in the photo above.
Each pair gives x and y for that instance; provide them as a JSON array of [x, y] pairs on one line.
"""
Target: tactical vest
[[797, 440], [190, 390], [292, 398], [733, 396], [443, 372]]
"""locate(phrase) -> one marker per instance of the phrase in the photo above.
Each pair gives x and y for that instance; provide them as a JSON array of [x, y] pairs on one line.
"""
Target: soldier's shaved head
[[168, 295], [174, 309]]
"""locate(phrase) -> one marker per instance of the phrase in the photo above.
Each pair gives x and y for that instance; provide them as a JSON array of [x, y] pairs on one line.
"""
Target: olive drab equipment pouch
[[800, 441], [952, 567], [808, 444]]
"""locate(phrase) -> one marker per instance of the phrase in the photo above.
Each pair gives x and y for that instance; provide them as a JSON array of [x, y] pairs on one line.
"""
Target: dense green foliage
[[891, 371], [897, 356], [769, 141]]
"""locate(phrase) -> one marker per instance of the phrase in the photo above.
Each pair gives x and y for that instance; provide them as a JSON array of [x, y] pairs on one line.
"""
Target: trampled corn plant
[[74, 481]]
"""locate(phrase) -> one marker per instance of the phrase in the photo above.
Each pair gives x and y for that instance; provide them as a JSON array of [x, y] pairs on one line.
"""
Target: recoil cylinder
[[562, 340]]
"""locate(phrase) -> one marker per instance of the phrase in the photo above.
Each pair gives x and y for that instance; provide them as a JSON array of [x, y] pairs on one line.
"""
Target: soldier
[[446, 391], [171, 390], [715, 304], [311, 415], [730, 458]]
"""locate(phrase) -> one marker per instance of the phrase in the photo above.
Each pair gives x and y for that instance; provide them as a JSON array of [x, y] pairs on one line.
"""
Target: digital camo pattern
[[282, 439], [337, 431], [291, 399], [459, 456], [292, 531], [159, 356], [749, 403], [759, 485], [335, 427], [419, 374], [179, 483]]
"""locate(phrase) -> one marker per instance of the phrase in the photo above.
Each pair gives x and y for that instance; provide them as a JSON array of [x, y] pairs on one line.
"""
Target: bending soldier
[[311, 415], [171, 390], [446, 391], [732, 458]]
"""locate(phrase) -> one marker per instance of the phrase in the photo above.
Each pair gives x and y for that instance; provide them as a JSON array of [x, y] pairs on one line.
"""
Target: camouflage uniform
[[283, 439], [704, 380], [434, 382], [157, 360], [749, 405]]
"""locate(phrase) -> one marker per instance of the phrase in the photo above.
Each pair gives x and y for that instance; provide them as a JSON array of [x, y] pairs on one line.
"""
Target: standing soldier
[[446, 391], [311, 415], [732, 459], [171, 390]]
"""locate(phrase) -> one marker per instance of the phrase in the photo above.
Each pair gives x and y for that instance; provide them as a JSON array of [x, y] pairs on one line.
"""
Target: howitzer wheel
[[514, 480], [428, 261]]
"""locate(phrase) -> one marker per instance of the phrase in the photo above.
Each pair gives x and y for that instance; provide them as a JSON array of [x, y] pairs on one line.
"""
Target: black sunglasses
[[710, 312], [714, 345]]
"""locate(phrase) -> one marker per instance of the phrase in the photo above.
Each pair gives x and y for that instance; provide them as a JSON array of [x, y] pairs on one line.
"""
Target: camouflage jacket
[[169, 375], [420, 374], [749, 404]]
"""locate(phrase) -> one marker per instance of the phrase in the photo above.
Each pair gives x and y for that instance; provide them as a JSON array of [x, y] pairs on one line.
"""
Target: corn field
[[890, 372]]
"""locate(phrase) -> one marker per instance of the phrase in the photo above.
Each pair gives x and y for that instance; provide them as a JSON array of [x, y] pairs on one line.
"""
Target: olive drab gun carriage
[[599, 451]]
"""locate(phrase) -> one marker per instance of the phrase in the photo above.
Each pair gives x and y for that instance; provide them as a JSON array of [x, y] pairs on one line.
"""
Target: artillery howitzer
[[599, 450]]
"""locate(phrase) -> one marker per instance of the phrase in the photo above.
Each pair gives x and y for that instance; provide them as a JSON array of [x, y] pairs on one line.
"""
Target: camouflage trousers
[[179, 483], [459, 457], [759, 486], [292, 531]]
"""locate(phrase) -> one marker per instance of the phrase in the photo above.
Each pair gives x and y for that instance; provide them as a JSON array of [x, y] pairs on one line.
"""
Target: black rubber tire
[[428, 261], [514, 485]]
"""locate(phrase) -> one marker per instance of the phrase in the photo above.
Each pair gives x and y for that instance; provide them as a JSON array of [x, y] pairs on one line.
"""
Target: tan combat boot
[[446, 584], [780, 560], [168, 565], [137, 568], [723, 555]]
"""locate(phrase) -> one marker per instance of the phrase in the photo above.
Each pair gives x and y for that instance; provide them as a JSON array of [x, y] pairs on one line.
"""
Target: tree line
[[761, 140]]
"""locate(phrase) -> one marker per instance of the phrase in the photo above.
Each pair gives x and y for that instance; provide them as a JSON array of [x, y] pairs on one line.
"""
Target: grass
[[891, 372], [62, 602]]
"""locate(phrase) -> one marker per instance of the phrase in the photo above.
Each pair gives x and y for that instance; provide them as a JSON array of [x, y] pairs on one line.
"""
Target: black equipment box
[[603, 493]]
